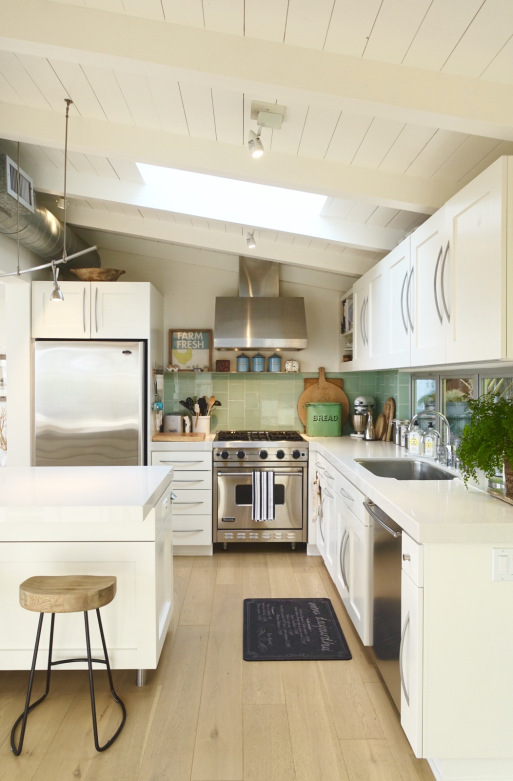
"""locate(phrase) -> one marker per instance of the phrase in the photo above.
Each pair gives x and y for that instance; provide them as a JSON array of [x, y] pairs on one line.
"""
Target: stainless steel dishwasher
[[386, 598]]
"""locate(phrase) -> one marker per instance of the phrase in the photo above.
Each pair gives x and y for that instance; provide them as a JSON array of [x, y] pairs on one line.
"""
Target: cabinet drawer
[[196, 502], [182, 460], [412, 559], [189, 481], [352, 498], [192, 530]]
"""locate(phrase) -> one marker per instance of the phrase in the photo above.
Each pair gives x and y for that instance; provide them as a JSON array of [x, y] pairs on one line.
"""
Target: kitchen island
[[88, 521]]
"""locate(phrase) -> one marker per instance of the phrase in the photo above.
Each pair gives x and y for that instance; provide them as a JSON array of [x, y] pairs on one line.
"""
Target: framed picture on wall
[[190, 349]]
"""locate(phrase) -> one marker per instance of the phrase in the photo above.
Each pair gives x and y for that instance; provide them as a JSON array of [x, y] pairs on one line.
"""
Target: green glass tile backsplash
[[269, 401]]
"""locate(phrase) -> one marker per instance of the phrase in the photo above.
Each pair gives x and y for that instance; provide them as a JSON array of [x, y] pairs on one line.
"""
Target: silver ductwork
[[259, 318], [36, 228]]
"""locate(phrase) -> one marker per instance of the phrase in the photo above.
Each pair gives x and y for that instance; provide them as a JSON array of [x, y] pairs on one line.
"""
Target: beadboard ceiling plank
[[435, 153], [288, 138], [148, 9], [74, 81], [490, 30], [199, 111], [473, 148], [318, 129], [167, 99], [347, 137], [46, 81], [189, 14], [109, 94], [442, 28], [224, 16], [20, 81], [228, 109], [394, 29], [308, 22], [265, 19], [406, 148], [377, 142], [350, 26], [139, 99]]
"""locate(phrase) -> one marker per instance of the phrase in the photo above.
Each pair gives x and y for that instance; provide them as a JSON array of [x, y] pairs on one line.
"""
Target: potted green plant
[[487, 439]]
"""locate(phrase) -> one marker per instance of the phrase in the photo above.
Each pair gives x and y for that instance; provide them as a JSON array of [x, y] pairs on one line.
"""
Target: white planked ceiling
[[391, 106]]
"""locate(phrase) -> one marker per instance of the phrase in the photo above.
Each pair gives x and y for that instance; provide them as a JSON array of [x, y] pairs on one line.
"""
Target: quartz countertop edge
[[88, 503], [443, 511]]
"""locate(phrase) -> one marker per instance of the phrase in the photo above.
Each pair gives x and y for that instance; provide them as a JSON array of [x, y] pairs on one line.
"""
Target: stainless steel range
[[260, 487]]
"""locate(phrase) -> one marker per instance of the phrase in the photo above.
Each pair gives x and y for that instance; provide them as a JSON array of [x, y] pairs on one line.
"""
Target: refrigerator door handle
[[96, 309], [84, 308]]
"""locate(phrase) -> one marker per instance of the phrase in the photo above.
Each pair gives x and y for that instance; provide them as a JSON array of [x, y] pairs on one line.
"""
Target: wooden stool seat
[[67, 593]]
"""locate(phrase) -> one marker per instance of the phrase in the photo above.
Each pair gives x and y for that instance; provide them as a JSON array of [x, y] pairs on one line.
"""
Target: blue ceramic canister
[[274, 363], [258, 363], [242, 363]]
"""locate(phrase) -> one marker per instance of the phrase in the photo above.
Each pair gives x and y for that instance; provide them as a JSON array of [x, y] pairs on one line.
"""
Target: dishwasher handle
[[371, 509]]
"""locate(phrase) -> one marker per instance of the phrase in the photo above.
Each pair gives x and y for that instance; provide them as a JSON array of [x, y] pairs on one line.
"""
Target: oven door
[[234, 498]]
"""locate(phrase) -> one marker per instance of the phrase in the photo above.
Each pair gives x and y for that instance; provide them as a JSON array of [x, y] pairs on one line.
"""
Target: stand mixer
[[362, 406]]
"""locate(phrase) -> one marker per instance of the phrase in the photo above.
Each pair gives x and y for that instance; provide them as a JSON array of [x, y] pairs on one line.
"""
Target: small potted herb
[[487, 439]]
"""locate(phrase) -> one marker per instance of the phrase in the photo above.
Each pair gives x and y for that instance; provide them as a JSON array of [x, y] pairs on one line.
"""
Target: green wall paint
[[269, 401]]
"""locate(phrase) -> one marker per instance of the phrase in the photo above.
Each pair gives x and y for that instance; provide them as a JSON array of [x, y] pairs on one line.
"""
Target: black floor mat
[[292, 629]]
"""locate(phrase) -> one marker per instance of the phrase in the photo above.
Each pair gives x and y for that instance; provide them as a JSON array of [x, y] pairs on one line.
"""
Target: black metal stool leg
[[28, 707], [111, 684]]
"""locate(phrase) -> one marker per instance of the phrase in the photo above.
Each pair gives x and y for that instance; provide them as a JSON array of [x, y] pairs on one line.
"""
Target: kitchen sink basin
[[404, 469]]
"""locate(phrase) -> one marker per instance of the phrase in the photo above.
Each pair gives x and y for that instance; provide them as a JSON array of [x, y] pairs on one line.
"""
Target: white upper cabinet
[[429, 293], [398, 323], [478, 217], [92, 310], [370, 302]]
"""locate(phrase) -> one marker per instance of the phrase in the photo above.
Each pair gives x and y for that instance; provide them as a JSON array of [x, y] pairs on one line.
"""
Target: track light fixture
[[255, 146], [250, 241], [56, 294]]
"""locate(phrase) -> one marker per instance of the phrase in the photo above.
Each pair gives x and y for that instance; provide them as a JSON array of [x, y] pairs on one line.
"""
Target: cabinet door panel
[[411, 661], [120, 311], [478, 296], [400, 318], [428, 244], [68, 319]]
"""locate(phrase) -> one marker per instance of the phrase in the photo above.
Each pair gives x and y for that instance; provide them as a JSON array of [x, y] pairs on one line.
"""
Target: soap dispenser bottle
[[414, 440], [429, 441]]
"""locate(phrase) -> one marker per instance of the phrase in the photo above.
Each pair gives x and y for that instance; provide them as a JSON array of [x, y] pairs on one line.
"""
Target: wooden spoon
[[197, 411], [211, 403]]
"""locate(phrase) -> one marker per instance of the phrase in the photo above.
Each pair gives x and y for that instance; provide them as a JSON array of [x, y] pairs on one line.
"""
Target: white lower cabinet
[[343, 540], [192, 507], [412, 636]]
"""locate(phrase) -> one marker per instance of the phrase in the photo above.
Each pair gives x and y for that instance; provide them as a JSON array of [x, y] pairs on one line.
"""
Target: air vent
[[18, 183]]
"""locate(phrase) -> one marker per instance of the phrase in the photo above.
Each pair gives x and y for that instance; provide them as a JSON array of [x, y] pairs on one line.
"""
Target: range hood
[[259, 318]]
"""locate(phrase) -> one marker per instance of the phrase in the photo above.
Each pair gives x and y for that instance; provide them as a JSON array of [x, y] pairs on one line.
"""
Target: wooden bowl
[[97, 274]]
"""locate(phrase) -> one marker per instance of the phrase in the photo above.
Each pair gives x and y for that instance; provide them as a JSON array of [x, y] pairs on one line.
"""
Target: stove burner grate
[[258, 436]]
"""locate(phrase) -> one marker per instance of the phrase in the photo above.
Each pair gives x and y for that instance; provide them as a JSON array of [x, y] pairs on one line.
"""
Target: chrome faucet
[[444, 451]]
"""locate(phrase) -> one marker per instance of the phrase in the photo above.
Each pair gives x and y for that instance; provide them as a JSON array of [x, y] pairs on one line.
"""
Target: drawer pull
[[187, 531], [406, 557]]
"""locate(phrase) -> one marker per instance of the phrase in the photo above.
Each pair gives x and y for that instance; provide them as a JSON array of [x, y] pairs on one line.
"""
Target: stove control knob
[[280, 454], [263, 454], [225, 454], [296, 454], [240, 454]]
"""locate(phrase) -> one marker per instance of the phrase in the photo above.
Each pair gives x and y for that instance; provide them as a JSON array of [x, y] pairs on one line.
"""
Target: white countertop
[[48, 500], [429, 511]]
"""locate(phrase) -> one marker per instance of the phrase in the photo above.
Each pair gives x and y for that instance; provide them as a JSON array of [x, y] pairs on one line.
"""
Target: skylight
[[228, 200]]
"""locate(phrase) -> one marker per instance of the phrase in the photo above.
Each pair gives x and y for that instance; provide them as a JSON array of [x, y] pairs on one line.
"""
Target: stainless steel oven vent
[[259, 318]]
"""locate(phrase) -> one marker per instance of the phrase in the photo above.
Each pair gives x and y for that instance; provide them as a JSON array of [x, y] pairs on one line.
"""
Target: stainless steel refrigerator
[[89, 403]]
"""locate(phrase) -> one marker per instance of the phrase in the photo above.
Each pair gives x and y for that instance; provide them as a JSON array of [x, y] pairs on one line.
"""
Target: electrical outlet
[[502, 564]]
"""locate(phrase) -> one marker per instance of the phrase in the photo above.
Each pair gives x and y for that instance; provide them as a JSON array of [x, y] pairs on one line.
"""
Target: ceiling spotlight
[[56, 294], [250, 241], [255, 146]]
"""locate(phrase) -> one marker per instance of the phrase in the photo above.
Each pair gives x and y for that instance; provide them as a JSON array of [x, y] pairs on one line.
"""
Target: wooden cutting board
[[322, 390], [389, 413], [178, 437]]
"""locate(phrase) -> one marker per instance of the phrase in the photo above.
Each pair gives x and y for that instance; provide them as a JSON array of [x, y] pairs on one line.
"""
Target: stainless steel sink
[[404, 469]]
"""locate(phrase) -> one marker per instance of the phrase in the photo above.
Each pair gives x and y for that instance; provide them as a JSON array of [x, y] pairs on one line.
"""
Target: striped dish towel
[[262, 508]]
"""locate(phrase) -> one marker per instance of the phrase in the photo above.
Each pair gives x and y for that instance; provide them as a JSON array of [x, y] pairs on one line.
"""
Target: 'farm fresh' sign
[[190, 350]]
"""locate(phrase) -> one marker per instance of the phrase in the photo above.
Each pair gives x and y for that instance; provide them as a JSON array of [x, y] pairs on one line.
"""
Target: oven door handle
[[277, 472]]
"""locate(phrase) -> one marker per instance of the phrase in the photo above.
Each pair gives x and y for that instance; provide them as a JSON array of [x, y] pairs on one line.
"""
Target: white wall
[[190, 279]]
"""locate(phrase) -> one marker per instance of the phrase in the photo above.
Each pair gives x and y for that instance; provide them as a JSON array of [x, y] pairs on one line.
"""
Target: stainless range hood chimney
[[259, 318]]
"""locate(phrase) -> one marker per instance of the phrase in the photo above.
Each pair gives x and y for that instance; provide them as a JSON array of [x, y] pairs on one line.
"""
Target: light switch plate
[[502, 564]]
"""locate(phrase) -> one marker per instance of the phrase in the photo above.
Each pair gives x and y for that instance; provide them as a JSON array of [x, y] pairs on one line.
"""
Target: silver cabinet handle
[[322, 468], [369, 507], [410, 319], [189, 503], [365, 320], [96, 310], [173, 496], [84, 308], [439, 258], [362, 310], [320, 526], [248, 473], [405, 324], [345, 494], [442, 284], [330, 477], [178, 480], [342, 553], [186, 531], [163, 461], [327, 493], [401, 651]]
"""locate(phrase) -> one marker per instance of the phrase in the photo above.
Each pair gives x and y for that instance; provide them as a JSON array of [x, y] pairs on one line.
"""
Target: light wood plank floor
[[205, 714]]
